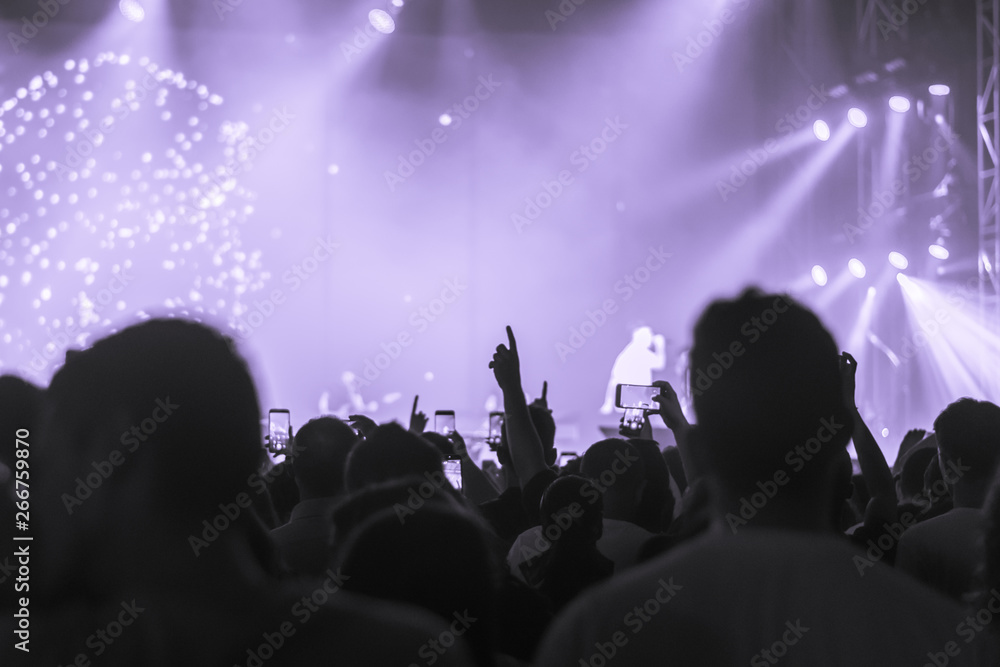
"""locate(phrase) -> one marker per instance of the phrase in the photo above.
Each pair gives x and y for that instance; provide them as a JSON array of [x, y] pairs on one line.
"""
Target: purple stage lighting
[[132, 10], [819, 275], [938, 251], [821, 130], [938, 89], [898, 260], [381, 21], [857, 117], [857, 268], [899, 104]]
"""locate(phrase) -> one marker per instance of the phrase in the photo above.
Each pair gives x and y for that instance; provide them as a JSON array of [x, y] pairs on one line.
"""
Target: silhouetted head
[[572, 511], [441, 443], [968, 435], [642, 336], [174, 401], [321, 449], [911, 475], [765, 378], [434, 558], [391, 452], [618, 470], [146, 435]]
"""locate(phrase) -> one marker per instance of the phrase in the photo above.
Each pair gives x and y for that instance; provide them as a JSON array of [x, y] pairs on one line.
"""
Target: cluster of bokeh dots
[[111, 168]]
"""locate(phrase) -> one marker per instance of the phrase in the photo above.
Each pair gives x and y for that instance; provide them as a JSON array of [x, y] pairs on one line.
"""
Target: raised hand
[[364, 425], [542, 401], [912, 437], [848, 369], [418, 420], [506, 365], [670, 406], [458, 445]]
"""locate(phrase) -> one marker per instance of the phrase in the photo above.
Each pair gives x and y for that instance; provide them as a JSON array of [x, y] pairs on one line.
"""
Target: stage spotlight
[[938, 251], [857, 268], [445, 119], [899, 104], [939, 118], [857, 117], [938, 89], [132, 10], [821, 130], [381, 21], [819, 275], [898, 260]]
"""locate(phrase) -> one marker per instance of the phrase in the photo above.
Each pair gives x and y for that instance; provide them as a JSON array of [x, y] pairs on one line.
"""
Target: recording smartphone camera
[[453, 472], [637, 396], [632, 422], [496, 425], [279, 431], [444, 421]]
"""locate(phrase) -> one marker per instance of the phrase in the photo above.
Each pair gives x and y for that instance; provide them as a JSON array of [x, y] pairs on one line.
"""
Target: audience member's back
[[945, 551], [771, 435], [319, 456], [146, 468], [434, 557], [572, 513]]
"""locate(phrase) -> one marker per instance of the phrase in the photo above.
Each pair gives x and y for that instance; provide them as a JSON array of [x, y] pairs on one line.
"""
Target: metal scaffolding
[[988, 151]]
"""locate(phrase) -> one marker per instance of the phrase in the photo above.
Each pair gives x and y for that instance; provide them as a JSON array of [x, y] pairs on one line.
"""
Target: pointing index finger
[[510, 339]]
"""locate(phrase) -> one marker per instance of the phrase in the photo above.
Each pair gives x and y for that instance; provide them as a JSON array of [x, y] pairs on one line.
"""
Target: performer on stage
[[636, 363]]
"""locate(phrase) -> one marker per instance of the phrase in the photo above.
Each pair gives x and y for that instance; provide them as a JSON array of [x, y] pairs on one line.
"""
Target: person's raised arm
[[673, 417], [475, 485], [525, 446], [874, 468]]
